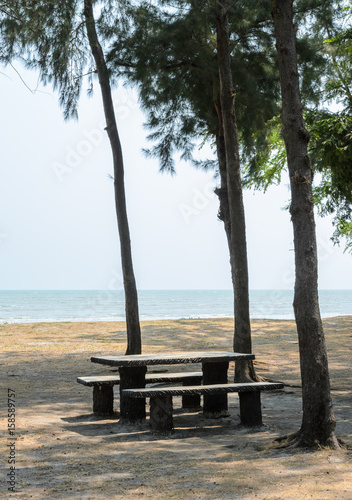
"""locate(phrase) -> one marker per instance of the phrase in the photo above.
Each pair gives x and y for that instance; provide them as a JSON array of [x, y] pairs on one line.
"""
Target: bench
[[161, 409], [103, 394]]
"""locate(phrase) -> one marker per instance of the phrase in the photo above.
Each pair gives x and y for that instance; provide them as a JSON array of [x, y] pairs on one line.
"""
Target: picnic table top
[[170, 358]]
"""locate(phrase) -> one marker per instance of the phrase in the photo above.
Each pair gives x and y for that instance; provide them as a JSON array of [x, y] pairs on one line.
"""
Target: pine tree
[[172, 56], [242, 337], [318, 423], [60, 40]]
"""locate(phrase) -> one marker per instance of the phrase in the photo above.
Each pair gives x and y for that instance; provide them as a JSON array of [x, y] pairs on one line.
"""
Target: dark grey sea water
[[108, 305]]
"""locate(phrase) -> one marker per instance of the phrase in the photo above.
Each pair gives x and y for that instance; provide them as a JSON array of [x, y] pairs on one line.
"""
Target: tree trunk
[[131, 299], [234, 209], [318, 424], [221, 192]]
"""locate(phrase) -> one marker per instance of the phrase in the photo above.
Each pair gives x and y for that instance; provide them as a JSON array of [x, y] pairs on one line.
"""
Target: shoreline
[[143, 321]]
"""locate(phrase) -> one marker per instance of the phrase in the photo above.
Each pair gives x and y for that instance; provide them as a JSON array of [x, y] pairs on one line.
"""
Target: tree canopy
[[171, 58], [329, 120]]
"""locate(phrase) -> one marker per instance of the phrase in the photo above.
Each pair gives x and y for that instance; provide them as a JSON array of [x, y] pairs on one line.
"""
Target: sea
[[32, 306]]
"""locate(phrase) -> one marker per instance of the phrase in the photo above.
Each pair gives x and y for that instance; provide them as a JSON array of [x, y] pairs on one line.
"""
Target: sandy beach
[[63, 451]]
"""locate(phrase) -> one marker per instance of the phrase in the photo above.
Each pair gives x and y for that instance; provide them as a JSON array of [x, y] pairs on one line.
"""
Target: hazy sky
[[57, 217]]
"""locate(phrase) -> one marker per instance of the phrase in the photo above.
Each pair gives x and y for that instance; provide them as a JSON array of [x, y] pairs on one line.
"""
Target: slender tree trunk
[[131, 299], [236, 227], [318, 424], [221, 192]]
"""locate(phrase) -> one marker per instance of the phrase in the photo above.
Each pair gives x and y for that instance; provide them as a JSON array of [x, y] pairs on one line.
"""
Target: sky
[[57, 217]]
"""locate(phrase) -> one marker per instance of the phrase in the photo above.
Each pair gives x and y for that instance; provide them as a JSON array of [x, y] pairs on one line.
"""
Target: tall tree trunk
[[236, 227], [221, 192], [134, 345], [318, 424]]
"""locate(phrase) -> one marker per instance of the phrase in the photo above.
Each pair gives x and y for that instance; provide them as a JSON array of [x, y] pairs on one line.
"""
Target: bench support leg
[[132, 410], [103, 400], [215, 405], [190, 400], [161, 419], [250, 409]]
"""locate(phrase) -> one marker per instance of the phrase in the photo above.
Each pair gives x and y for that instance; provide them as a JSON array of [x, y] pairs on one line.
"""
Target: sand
[[63, 451]]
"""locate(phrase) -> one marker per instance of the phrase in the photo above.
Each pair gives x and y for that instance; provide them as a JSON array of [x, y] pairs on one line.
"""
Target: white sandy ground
[[63, 451]]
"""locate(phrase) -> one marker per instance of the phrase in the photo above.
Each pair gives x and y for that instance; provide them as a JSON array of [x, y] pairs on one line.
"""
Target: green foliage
[[339, 48], [331, 156], [168, 50], [343, 229], [331, 150], [266, 166], [49, 36], [170, 55], [331, 135], [325, 77], [170, 58]]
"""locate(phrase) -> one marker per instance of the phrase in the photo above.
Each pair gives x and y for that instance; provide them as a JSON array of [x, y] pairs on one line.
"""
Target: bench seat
[[161, 408], [103, 395]]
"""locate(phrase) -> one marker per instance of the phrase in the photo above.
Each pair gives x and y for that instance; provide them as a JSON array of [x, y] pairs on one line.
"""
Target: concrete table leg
[[190, 400], [103, 400], [250, 409], [161, 418], [215, 404], [132, 410]]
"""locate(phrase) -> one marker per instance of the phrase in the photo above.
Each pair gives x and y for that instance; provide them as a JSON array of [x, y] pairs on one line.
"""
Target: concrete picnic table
[[133, 368]]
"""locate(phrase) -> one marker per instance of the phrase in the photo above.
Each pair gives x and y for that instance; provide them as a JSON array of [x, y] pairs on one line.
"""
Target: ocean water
[[108, 305]]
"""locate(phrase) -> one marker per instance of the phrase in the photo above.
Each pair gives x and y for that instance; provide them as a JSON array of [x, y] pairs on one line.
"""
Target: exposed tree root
[[298, 440], [259, 378], [245, 372], [246, 378]]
